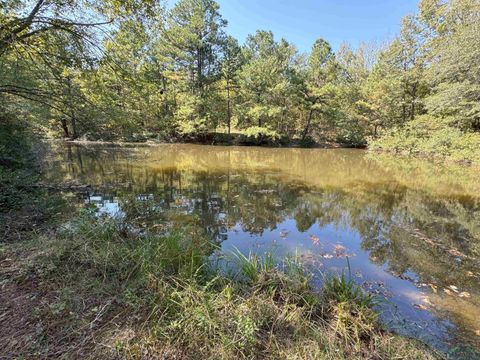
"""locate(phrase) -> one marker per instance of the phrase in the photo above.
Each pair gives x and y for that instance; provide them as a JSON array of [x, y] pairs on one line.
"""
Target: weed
[[169, 303]]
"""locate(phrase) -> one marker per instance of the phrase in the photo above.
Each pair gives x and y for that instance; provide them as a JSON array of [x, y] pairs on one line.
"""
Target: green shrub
[[256, 135], [431, 136], [307, 142], [18, 168]]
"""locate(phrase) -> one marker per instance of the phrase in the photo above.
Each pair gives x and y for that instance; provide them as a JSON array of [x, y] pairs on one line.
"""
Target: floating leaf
[[339, 250], [454, 288], [448, 292], [427, 301], [420, 306], [315, 239]]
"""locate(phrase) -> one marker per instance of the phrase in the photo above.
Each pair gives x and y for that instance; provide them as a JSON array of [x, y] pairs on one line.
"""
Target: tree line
[[108, 69]]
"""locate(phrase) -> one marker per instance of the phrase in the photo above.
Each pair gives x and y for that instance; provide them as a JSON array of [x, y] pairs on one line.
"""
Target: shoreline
[[434, 158], [170, 304], [154, 143]]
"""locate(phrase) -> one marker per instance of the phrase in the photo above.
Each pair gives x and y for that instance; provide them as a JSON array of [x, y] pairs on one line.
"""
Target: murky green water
[[410, 228]]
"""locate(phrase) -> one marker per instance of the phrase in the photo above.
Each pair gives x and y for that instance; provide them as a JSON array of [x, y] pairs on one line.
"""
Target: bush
[[307, 142], [256, 135], [18, 168], [222, 138], [431, 136]]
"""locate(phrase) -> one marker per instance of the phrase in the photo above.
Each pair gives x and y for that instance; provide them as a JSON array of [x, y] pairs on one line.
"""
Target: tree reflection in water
[[413, 226]]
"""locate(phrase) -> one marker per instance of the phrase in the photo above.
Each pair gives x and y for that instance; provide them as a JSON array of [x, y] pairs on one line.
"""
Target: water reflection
[[410, 228], [105, 205]]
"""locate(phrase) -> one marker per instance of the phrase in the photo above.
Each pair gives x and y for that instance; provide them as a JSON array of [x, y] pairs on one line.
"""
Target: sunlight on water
[[410, 228]]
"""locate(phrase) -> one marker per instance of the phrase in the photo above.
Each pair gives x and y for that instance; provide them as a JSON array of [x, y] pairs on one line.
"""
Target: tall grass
[[180, 307], [252, 265], [339, 289]]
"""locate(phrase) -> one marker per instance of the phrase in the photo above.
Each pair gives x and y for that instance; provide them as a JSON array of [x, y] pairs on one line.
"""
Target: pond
[[410, 229]]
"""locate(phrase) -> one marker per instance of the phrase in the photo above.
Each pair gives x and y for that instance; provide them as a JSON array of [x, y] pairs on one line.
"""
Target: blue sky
[[303, 21]]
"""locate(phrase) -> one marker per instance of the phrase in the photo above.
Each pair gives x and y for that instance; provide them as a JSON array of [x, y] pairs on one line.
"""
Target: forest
[[138, 70]]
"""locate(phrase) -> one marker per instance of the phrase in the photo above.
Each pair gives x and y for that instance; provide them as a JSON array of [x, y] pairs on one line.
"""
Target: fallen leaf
[[448, 292], [420, 306], [455, 252], [434, 288], [454, 288], [477, 332], [339, 250], [427, 301], [464, 294], [428, 241], [315, 239]]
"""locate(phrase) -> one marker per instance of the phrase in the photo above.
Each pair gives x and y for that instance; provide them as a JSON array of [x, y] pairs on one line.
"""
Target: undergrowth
[[157, 295], [431, 137], [24, 205]]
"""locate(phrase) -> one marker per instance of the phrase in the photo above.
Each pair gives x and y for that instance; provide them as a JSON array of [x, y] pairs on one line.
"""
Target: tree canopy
[[132, 70]]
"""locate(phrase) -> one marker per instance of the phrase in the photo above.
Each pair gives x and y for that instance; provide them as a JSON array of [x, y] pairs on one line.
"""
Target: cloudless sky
[[303, 21]]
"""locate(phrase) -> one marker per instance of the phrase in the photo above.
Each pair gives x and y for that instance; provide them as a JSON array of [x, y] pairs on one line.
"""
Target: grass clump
[[350, 310], [119, 293]]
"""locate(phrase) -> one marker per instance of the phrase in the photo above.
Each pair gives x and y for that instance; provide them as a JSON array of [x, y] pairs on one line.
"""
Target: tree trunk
[[74, 128], [307, 127], [414, 96], [64, 124], [229, 114]]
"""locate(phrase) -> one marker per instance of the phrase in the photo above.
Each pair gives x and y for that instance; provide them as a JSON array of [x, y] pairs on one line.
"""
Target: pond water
[[410, 228]]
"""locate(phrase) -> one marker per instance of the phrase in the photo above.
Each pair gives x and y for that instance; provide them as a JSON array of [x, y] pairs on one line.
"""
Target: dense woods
[[134, 70]]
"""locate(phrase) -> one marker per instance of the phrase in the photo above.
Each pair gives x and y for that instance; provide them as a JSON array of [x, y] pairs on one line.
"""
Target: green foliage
[[448, 87], [337, 289], [454, 73], [351, 133], [256, 135], [350, 308], [252, 265], [112, 251], [175, 74], [431, 136], [18, 168]]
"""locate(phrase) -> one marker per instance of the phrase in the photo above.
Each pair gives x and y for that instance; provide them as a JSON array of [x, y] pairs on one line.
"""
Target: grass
[[104, 290]]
